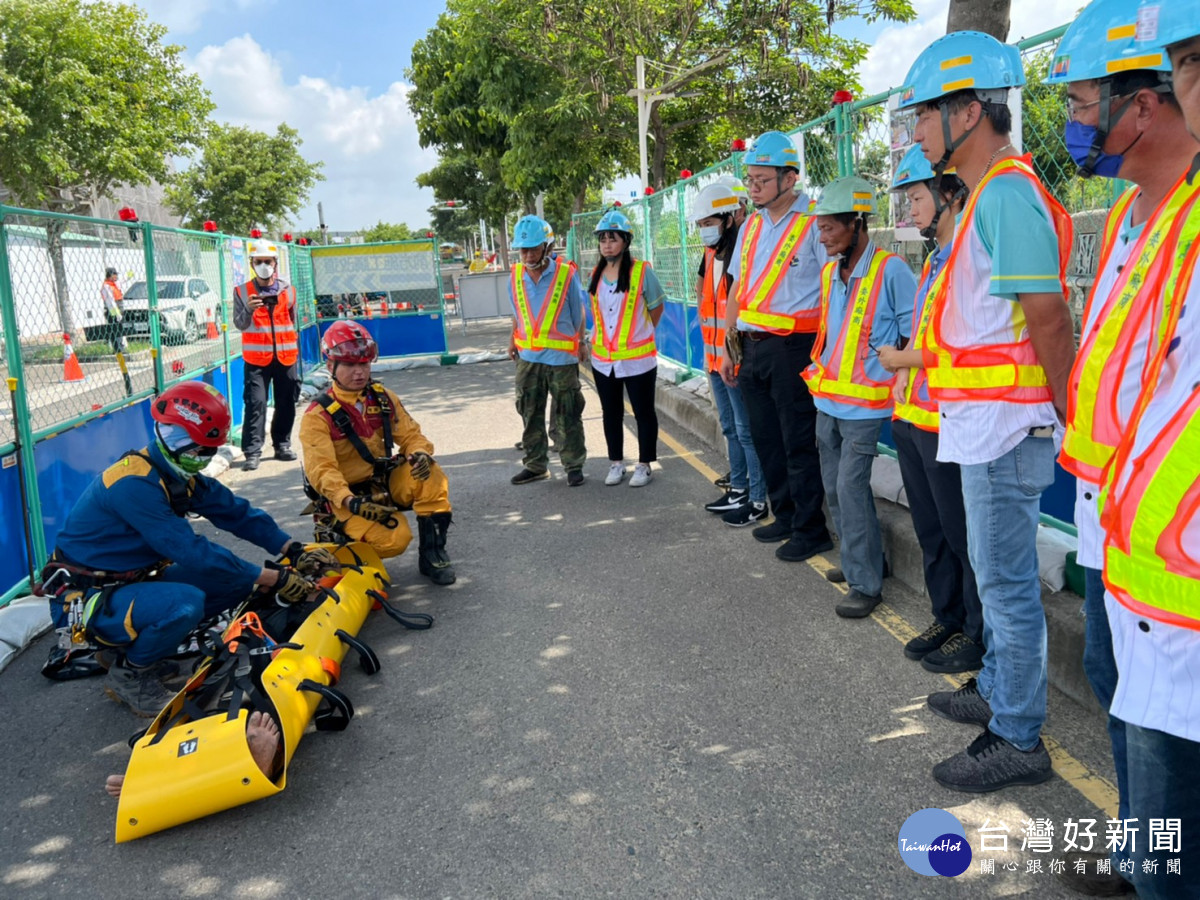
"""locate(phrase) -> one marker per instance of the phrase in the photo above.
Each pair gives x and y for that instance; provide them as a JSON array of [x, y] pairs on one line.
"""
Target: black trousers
[[284, 382], [935, 498], [640, 389], [783, 424]]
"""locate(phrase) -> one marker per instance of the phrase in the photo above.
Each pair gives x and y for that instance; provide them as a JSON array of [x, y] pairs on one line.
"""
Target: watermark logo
[[934, 842]]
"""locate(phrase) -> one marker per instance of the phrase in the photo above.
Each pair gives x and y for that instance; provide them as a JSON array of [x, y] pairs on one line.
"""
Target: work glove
[[292, 587], [372, 512], [421, 463], [315, 563]]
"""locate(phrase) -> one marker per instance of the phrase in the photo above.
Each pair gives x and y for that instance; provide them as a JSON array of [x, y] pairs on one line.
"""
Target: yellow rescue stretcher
[[200, 766]]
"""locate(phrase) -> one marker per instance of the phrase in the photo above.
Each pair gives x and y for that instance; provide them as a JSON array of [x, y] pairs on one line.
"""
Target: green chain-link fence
[[855, 138]]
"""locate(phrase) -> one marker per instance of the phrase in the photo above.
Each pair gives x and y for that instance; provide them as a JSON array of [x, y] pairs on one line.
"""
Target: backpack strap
[[179, 495], [341, 420]]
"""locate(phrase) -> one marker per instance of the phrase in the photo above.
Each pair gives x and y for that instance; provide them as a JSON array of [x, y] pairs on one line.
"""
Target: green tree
[[245, 178], [386, 231], [90, 97]]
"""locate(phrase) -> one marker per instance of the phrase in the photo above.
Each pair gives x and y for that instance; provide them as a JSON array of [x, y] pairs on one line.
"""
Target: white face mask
[[710, 234], [264, 270]]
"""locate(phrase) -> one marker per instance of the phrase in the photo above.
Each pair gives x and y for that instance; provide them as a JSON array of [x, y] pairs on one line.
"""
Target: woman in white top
[[626, 306]]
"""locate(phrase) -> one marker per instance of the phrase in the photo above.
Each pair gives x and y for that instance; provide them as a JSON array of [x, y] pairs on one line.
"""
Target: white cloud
[[368, 143], [185, 17], [897, 46]]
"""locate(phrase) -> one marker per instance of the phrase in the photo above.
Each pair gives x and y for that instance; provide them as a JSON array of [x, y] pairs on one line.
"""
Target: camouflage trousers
[[536, 381]]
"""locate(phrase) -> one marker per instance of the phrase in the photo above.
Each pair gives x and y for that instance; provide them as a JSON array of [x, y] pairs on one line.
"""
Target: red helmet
[[198, 407], [348, 342]]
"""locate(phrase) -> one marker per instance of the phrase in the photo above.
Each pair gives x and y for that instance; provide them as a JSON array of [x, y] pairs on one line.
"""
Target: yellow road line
[[1096, 789]]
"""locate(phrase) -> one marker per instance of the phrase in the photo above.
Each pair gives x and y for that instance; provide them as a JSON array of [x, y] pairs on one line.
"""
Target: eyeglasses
[[760, 181], [1074, 109]]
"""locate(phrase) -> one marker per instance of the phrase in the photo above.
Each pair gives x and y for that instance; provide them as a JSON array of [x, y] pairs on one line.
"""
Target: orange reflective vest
[[1105, 361], [621, 345], [1151, 501], [1005, 370], [271, 334], [713, 300], [919, 408], [542, 332], [755, 301], [844, 378]]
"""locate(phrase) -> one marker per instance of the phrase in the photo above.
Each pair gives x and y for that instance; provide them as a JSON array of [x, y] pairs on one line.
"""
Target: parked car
[[184, 305]]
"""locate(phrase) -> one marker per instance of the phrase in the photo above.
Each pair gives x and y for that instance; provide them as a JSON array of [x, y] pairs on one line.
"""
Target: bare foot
[[262, 736]]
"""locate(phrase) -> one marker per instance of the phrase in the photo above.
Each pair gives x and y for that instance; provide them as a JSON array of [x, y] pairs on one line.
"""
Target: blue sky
[[335, 72]]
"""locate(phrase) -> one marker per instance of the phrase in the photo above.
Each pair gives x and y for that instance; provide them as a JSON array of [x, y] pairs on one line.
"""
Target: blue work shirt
[[570, 314], [800, 287], [892, 319], [937, 260], [123, 521]]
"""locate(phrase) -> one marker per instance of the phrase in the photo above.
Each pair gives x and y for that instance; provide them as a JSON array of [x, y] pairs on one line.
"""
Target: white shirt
[[1158, 665], [611, 303]]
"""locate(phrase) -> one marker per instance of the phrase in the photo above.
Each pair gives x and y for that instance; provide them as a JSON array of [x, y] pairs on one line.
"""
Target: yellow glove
[[292, 587]]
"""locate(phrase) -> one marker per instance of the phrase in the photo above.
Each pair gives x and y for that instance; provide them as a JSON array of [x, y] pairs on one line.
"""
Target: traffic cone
[[71, 368], [212, 333], [367, 307], [383, 308]]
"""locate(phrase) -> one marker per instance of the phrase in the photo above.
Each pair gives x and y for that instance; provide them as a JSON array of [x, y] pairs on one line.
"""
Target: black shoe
[[836, 576], [796, 550], [723, 482], [575, 478], [959, 654], [285, 453], [432, 560], [991, 763], [744, 515], [773, 533], [525, 476], [857, 605], [1090, 881], [518, 446], [928, 641], [252, 461], [964, 705], [728, 503]]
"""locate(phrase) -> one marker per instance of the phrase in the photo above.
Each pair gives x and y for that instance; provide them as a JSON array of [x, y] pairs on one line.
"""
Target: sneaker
[[575, 478], [731, 501], [641, 475], [525, 476], [1090, 881], [959, 654], [964, 705], [857, 605], [616, 474], [928, 641], [285, 453], [723, 482], [746, 514], [252, 462], [835, 576], [796, 550], [992, 763], [139, 689], [773, 533]]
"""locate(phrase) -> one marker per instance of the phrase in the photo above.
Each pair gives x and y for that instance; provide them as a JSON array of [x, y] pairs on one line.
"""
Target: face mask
[[1079, 140], [264, 270], [180, 451], [710, 234]]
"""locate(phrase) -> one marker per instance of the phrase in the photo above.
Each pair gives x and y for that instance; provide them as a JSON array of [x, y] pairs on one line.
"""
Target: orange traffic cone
[[367, 307], [71, 368], [383, 308], [212, 332]]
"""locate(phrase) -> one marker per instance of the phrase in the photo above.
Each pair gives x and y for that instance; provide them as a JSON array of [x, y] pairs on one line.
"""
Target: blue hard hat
[[914, 168], [531, 232], [1107, 38], [614, 220], [773, 148], [960, 61], [1168, 23]]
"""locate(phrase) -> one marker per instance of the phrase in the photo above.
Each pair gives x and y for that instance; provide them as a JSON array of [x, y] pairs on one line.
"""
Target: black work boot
[[432, 559]]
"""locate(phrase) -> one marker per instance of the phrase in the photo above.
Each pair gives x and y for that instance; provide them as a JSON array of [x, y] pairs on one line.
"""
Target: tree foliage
[[386, 231], [90, 98], [245, 178]]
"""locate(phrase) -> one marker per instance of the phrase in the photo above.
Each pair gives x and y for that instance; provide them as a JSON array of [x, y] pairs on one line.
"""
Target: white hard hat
[[263, 249], [715, 199], [735, 184]]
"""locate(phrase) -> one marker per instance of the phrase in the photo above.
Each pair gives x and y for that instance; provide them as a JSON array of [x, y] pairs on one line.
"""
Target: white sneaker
[[616, 472], [641, 475]]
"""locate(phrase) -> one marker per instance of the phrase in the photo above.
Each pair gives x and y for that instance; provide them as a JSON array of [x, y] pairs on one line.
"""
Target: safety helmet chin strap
[[1107, 122], [948, 140], [940, 204], [545, 260], [779, 184], [844, 262]]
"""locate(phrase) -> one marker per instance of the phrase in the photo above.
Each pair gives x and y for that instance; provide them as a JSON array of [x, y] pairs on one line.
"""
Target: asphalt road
[[621, 698]]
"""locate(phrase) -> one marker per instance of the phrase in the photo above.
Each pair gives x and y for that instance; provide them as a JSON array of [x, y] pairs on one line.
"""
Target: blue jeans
[[164, 611], [1002, 498], [848, 450], [1100, 667], [744, 469], [1163, 785]]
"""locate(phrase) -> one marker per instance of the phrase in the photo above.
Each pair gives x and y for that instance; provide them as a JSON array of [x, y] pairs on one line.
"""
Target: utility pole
[[324, 229]]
